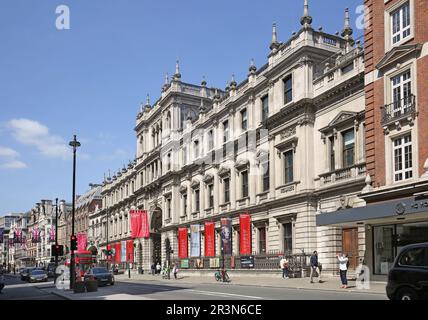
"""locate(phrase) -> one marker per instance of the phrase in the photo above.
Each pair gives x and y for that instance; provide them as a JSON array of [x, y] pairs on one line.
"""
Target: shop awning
[[401, 208]]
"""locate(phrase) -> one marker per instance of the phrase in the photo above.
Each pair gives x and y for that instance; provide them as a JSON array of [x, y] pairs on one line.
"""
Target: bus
[[83, 261]]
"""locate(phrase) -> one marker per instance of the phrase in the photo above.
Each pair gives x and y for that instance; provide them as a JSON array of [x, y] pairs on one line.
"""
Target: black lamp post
[[75, 144], [56, 237]]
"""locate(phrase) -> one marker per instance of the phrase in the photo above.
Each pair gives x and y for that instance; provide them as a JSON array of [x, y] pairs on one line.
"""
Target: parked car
[[38, 275], [408, 278], [102, 275], [26, 273]]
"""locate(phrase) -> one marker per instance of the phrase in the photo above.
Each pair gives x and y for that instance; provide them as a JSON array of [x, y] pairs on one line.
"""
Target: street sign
[[247, 262]]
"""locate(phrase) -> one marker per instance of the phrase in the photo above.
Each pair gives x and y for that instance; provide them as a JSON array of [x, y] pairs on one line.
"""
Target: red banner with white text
[[245, 234], [182, 243], [139, 224], [209, 239]]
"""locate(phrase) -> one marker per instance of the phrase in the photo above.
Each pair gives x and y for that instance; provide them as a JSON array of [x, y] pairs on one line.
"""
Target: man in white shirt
[[343, 269], [284, 266]]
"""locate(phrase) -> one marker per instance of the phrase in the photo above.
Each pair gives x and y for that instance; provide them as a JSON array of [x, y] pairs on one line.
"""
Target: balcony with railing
[[348, 174], [398, 110]]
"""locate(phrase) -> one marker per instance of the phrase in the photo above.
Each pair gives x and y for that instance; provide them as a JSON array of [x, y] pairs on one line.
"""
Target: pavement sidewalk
[[329, 284]]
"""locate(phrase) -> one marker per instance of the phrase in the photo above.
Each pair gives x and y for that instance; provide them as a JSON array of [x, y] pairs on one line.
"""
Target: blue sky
[[90, 80]]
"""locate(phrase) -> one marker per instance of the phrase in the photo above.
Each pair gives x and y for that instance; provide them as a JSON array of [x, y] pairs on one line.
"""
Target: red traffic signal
[[57, 250], [73, 245]]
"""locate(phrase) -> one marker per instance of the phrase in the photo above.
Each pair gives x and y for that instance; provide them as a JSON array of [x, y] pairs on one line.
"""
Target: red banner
[[117, 255], [82, 242], [245, 234], [209, 239], [130, 251], [139, 224], [182, 243]]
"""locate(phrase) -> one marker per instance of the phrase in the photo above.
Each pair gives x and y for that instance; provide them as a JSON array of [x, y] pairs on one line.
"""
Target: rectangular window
[[400, 23], [196, 144], [401, 93], [184, 155], [288, 89], [210, 196], [288, 237], [225, 131], [265, 169], [244, 120], [348, 148], [265, 108], [185, 204], [288, 167], [168, 208], [210, 140], [403, 158], [197, 200], [226, 190], [332, 154], [244, 176], [168, 162], [262, 240], [347, 68]]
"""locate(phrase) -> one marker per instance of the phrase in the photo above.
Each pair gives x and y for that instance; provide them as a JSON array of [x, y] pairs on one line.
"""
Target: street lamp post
[[107, 250], [56, 236], [75, 144]]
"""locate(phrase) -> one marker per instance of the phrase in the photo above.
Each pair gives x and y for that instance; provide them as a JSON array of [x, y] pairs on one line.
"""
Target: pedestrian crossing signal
[[57, 250], [73, 246]]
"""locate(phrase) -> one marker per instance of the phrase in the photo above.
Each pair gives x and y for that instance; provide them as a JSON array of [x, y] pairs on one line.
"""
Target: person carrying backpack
[[343, 269]]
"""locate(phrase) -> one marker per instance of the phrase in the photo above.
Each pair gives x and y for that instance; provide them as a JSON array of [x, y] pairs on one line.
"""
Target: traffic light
[[73, 246], [57, 250]]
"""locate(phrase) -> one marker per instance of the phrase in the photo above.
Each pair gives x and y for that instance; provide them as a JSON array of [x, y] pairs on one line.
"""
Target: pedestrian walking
[[315, 267], [153, 268], [158, 268], [284, 266], [175, 270], [2, 283], [343, 269]]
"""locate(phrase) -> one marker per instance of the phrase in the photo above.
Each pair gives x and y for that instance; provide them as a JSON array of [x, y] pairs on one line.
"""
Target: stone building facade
[[283, 145]]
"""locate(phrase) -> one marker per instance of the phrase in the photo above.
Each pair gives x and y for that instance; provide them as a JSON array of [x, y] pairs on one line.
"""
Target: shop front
[[389, 226]]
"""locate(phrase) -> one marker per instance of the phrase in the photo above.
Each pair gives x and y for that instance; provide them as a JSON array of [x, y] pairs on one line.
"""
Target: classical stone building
[[283, 145], [396, 68]]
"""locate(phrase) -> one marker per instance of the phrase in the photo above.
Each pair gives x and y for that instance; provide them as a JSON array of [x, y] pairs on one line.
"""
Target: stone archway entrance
[[156, 224]]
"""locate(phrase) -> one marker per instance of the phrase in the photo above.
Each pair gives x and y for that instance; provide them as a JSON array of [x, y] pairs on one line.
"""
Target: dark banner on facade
[[139, 224], [209, 239], [1, 234], [226, 235], [182, 243], [195, 241], [245, 234]]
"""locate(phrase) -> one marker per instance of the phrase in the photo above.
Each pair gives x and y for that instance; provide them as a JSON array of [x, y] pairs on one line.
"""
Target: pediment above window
[[242, 164], [183, 189], [398, 53], [342, 120], [195, 184], [224, 172], [208, 178]]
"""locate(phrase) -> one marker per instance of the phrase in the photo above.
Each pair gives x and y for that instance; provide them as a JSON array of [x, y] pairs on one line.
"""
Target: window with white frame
[[226, 183], [400, 23], [244, 184], [210, 196], [403, 158], [265, 107], [401, 93], [288, 166], [288, 89], [348, 148], [197, 200], [184, 196]]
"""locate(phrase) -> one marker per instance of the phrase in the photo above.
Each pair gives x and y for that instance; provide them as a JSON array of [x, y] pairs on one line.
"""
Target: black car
[[102, 275], [408, 278]]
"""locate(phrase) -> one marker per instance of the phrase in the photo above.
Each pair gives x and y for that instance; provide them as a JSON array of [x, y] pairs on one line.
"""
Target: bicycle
[[221, 276]]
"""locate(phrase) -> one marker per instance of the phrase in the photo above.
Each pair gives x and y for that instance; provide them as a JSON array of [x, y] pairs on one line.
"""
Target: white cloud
[[117, 154], [6, 152], [14, 164], [33, 133], [8, 159]]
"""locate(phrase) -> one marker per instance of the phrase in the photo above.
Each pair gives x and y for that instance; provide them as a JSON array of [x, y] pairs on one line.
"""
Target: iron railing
[[399, 109]]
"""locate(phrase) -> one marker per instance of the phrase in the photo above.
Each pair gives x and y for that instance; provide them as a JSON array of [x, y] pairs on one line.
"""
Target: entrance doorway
[[156, 224], [350, 246]]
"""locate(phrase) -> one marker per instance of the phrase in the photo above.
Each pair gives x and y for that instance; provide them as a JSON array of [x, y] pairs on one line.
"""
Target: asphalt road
[[16, 289], [151, 290]]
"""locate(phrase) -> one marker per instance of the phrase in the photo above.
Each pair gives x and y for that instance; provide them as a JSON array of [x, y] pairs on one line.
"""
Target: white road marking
[[222, 294]]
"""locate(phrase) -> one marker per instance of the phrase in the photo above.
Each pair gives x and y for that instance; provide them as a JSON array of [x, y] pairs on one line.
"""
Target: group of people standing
[[316, 268], [166, 270]]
